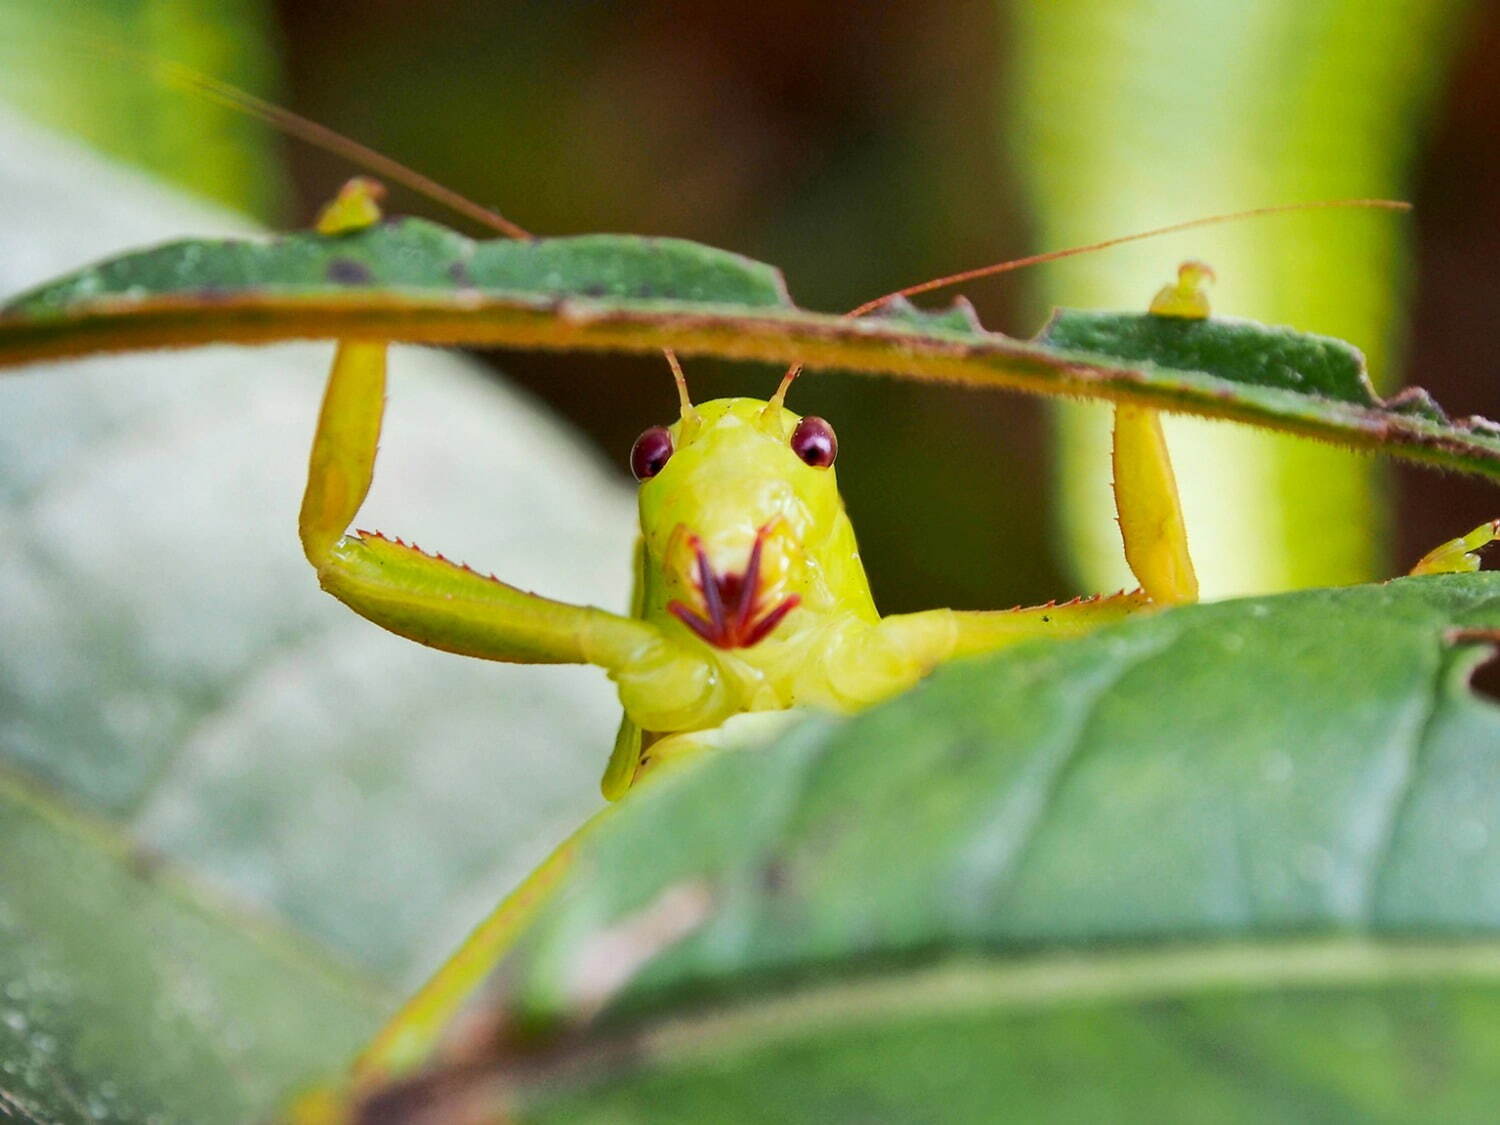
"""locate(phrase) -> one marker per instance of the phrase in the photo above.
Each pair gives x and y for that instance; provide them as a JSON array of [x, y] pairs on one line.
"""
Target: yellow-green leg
[[421, 596], [1155, 538], [1149, 509]]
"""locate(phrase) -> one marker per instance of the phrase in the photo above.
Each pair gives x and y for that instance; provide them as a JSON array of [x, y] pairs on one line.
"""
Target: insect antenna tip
[[684, 400], [778, 400]]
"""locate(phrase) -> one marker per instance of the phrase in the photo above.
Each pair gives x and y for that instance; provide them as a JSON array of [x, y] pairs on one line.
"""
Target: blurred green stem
[[1132, 114]]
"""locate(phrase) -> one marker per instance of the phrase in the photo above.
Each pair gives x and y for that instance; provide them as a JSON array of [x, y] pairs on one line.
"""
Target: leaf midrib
[[970, 985]]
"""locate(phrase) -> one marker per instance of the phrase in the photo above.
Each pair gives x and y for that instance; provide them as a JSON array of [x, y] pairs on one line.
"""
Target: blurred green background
[[865, 147]]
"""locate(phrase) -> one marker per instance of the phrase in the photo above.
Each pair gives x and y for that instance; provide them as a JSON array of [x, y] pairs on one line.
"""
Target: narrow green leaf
[[413, 280], [1078, 851]]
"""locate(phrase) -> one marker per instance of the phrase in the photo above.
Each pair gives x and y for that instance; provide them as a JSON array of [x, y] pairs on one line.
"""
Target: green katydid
[[750, 596]]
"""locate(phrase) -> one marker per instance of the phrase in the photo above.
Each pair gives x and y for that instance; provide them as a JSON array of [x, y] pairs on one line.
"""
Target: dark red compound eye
[[813, 440], [650, 453]]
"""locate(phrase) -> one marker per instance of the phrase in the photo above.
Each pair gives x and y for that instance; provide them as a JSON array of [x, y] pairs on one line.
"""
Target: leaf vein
[[1401, 799], [1077, 749]]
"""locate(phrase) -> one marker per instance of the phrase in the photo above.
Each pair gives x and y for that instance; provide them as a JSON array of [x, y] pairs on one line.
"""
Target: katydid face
[[745, 530]]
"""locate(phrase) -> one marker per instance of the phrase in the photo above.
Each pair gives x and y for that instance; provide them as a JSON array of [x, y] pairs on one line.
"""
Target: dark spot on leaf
[[773, 877], [459, 274], [967, 749], [346, 271], [145, 862], [1046, 620]]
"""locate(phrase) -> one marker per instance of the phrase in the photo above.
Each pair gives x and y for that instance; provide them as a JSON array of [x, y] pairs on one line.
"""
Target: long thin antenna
[[1072, 251], [1054, 255], [320, 136]]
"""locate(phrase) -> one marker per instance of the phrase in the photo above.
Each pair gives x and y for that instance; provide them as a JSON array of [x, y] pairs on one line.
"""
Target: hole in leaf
[[1486, 679]]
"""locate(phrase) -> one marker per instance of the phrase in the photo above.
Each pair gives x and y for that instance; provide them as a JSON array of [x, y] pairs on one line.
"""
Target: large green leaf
[[125, 996], [1186, 860], [412, 280]]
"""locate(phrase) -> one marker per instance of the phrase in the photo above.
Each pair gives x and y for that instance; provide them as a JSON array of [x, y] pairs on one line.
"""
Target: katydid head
[[742, 518]]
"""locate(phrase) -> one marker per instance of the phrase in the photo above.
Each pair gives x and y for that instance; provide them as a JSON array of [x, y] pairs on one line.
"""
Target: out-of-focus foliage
[[125, 996], [1124, 114], [79, 65]]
